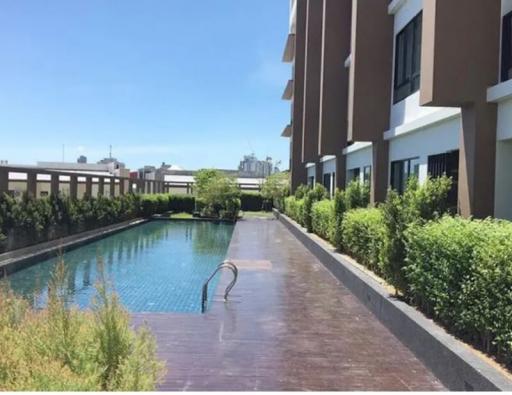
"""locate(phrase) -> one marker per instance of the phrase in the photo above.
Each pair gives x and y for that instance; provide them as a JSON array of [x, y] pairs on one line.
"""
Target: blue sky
[[193, 83]]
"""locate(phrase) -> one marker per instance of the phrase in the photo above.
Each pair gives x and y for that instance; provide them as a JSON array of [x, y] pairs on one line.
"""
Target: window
[[401, 170], [353, 174], [311, 181], [446, 164], [506, 48], [367, 175], [408, 59], [327, 181]]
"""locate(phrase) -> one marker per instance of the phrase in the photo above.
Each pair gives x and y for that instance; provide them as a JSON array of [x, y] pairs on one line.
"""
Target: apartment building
[[382, 90]]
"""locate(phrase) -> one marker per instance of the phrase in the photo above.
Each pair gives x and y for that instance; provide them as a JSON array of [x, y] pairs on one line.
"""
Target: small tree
[[275, 188], [217, 194]]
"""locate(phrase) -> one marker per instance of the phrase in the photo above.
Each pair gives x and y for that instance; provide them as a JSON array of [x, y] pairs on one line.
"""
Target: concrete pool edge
[[457, 366], [15, 260]]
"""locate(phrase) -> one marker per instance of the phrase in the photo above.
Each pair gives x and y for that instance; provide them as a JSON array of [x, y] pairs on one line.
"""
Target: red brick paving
[[290, 326]]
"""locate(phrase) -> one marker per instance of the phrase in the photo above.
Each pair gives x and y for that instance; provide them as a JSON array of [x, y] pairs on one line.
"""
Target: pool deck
[[289, 325]]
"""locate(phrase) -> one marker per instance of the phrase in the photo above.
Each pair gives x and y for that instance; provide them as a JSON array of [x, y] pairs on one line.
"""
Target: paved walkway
[[289, 325]]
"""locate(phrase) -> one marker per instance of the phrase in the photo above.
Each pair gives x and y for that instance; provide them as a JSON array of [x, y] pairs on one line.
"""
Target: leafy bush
[[322, 218], [340, 207], [182, 203], [218, 195], [300, 192], [314, 195], [275, 188], [357, 195], [417, 205], [294, 208], [30, 220], [61, 348], [251, 201], [459, 271], [363, 233]]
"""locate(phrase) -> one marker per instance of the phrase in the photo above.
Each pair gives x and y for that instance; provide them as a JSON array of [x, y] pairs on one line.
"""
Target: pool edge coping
[[449, 359], [27, 256]]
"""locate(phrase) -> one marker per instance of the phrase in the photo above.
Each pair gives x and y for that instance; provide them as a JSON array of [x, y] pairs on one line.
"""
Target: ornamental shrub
[[251, 201], [182, 203], [363, 233], [294, 208], [418, 204], [300, 192], [340, 207], [459, 271], [218, 195], [322, 218], [275, 188], [357, 195], [314, 195]]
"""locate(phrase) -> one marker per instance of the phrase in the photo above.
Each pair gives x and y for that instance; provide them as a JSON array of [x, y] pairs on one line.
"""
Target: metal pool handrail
[[224, 265]]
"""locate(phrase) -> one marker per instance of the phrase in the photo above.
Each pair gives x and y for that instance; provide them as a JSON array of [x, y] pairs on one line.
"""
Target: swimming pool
[[159, 266]]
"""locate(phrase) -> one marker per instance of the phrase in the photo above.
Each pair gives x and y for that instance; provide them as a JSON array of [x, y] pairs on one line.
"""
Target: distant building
[[3, 162], [250, 166], [81, 159]]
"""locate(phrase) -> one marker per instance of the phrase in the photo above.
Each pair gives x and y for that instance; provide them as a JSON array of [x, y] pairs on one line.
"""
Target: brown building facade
[[385, 90]]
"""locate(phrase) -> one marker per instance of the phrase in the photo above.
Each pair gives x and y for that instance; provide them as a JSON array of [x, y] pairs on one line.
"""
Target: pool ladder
[[224, 265]]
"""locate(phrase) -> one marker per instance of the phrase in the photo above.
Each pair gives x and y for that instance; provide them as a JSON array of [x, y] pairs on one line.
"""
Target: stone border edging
[[453, 362], [15, 260]]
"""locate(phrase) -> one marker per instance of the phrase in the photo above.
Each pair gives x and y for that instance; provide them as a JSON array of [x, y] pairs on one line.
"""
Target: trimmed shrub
[[340, 207], [294, 208], [322, 218], [357, 195], [182, 203], [418, 204], [363, 233], [312, 196], [459, 271], [300, 192], [251, 201]]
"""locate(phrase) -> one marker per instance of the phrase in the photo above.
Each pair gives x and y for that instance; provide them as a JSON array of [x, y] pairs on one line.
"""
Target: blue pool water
[[159, 266]]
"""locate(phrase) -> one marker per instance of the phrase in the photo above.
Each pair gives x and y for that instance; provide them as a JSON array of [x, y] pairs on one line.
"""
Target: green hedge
[[460, 272], [322, 218], [182, 203], [363, 234], [251, 201], [29, 221], [294, 208]]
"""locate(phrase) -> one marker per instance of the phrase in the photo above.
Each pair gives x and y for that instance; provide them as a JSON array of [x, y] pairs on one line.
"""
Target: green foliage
[[417, 205], [275, 188], [357, 195], [460, 272], [31, 220], [251, 201], [340, 207], [182, 203], [300, 192], [61, 348], [314, 195], [217, 194], [322, 218], [363, 233], [294, 208]]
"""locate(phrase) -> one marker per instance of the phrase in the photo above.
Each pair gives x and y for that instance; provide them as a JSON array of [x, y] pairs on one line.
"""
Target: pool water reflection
[[159, 266]]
